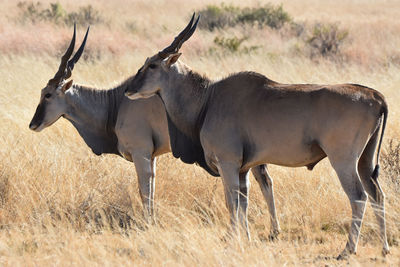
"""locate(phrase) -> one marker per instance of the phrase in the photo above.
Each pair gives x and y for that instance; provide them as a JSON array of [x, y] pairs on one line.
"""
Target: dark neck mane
[[199, 83], [184, 124], [202, 90]]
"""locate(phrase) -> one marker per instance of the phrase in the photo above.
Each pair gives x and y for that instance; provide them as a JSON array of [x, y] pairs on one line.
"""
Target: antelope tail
[[384, 111]]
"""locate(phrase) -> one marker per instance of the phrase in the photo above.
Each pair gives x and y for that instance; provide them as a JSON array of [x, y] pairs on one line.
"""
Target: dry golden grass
[[57, 198]]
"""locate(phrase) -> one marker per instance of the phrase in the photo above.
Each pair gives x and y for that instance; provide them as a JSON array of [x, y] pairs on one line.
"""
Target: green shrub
[[55, 13], [231, 44], [34, 12], [326, 39], [85, 15], [272, 16], [214, 17], [219, 17], [297, 28]]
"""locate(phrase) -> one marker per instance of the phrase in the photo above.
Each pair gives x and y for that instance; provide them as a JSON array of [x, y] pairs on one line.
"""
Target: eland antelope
[[233, 124], [110, 123]]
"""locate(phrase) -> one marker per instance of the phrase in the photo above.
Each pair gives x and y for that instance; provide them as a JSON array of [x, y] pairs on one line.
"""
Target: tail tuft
[[384, 112], [375, 173]]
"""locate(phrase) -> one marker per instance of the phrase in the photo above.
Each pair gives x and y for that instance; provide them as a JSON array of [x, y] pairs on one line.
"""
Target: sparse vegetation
[[326, 39], [55, 13], [272, 16], [233, 45], [219, 17], [34, 12], [322, 39], [86, 15]]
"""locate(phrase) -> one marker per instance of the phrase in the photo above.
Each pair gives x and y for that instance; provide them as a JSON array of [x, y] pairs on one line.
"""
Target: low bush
[[86, 15], [231, 45], [55, 13], [219, 17], [272, 16], [326, 39]]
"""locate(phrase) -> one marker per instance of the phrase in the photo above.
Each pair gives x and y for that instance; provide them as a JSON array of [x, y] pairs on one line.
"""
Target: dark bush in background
[[219, 17], [272, 16], [55, 13], [326, 39]]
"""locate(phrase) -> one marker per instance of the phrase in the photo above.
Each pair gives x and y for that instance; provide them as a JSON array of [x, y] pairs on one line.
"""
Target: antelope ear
[[66, 86], [173, 58]]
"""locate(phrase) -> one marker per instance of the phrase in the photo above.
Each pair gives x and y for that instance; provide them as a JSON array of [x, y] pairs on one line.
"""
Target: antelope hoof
[[385, 251], [345, 255], [273, 236]]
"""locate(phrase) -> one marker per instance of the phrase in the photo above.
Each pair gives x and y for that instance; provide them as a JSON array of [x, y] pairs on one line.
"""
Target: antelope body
[[111, 123], [247, 119], [107, 121]]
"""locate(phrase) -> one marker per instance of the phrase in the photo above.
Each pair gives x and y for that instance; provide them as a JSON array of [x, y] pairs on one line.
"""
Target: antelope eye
[[152, 66], [48, 95]]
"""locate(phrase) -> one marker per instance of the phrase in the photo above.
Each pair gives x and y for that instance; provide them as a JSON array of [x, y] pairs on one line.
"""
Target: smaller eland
[[111, 123], [107, 121]]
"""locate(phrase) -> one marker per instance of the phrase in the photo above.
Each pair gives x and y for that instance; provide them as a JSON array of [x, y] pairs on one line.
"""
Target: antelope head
[[52, 103], [153, 75]]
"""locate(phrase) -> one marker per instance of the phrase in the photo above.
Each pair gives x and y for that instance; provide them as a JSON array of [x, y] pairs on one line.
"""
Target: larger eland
[[110, 123], [231, 125]]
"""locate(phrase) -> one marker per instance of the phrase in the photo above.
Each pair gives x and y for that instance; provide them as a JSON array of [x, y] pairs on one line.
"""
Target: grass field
[[62, 205]]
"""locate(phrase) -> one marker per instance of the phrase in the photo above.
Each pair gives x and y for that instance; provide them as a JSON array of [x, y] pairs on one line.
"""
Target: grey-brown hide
[[108, 122], [247, 119], [111, 123]]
